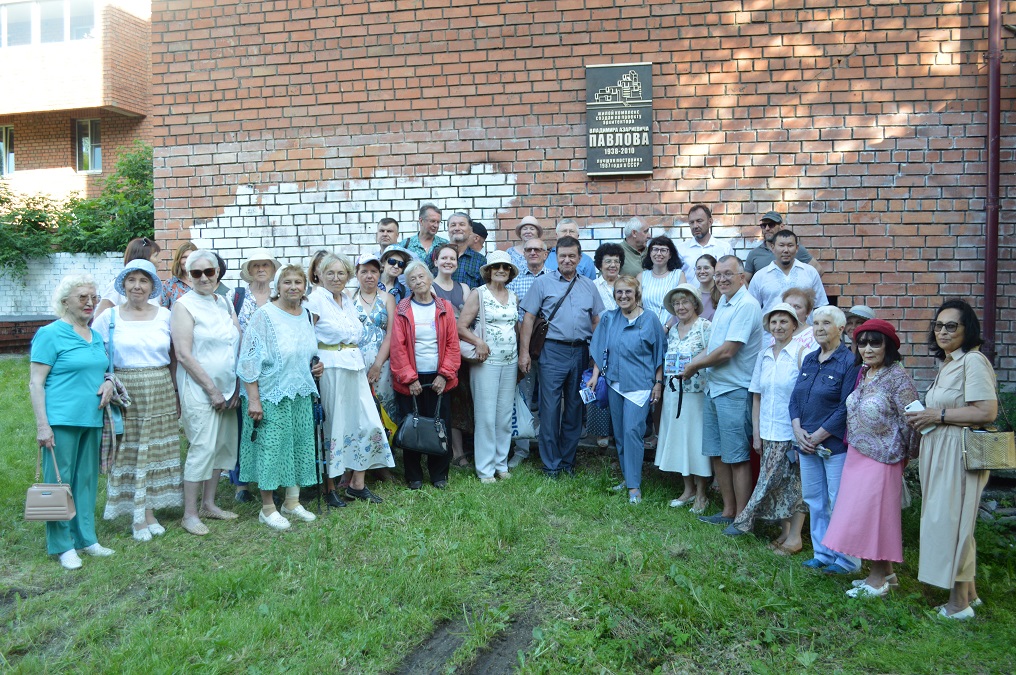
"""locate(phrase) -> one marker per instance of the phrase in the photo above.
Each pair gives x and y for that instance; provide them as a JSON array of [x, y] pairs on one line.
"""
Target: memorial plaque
[[619, 117]]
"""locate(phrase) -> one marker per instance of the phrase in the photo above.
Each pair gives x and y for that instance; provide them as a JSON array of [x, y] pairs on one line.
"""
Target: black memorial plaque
[[619, 116]]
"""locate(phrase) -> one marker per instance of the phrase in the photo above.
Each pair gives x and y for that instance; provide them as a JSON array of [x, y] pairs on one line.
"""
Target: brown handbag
[[49, 501], [541, 325]]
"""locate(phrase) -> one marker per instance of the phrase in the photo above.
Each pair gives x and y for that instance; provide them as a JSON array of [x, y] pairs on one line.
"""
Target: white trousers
[[493, 398]]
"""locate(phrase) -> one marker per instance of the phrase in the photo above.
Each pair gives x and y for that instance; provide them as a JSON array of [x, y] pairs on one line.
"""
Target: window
[[89, 146], [51, 21], [6, 150], [17, 24], [46, 21], [82, 19]]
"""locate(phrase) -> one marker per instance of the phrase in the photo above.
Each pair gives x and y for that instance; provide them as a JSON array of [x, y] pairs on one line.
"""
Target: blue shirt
[[629, 353], [736, 320], [586, 266], [820, 395], [77, 370], [468, 272], [574, 320]]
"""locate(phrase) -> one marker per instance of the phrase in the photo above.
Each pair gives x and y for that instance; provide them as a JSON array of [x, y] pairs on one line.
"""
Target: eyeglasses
[[210, 272], [659, 249], [84, 298], [401, 264], [500, 266], [254, 433], [950, 327], [870, 342], [766, 224], [724, 275], [332, 276], [534, 249]]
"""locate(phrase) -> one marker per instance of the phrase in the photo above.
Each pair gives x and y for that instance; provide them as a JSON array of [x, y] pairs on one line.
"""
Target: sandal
[[461, 463]]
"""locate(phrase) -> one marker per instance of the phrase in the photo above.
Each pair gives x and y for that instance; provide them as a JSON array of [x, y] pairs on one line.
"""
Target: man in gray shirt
[[565, 352], [763, 254]]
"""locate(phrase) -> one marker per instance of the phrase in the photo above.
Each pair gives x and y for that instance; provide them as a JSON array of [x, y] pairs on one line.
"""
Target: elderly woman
[[963, 394], [628, 347], [803, 302], [145, 473], [206, 336], [446, 262], [277, 443], [704, 268], [356, 437], [609, 259], [777, 494], [528, 228], [495, 311], [680, 445], [376, 310], [425, 353], [866, 520], [141, 248], [69, 391], [818, 414], [393, 264], [179, 283], [662, 266]]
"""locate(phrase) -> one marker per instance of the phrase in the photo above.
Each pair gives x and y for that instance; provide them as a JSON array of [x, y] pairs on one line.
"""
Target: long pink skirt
[[866, 519]]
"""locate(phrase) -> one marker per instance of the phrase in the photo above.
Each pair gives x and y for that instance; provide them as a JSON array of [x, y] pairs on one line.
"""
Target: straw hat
[[258, 255], [694, 292], [529, 220], [499, 258]]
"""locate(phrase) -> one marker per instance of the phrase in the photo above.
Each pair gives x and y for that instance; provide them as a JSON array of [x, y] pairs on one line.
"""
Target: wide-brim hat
[[499, 258], [862, 311], [258, 255], [695, 293], [139, 265], [529, 220], [785, 307], [878, 326], [395, 248]]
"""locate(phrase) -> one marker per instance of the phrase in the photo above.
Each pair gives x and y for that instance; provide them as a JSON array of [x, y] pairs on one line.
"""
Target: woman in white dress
[[680, 444], [356, 437]]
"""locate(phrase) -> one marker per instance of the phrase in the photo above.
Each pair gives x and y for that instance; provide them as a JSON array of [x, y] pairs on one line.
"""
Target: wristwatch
[[943, 415]]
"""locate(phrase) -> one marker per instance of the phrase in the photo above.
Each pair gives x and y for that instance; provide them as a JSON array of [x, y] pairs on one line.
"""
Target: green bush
[[27, 225]]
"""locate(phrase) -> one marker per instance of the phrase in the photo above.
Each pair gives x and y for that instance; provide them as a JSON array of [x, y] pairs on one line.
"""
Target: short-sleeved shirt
[[632, 259], [774, 379], [468, 272], [574, 320], [736, 320], [761, 255], [413, 245], [77, 369], [768, 285], [690, 251], [586, 266], [521, 284]]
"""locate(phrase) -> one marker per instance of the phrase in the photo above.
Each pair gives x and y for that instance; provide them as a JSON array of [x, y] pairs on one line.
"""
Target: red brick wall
[[862, 121], [126, 61]]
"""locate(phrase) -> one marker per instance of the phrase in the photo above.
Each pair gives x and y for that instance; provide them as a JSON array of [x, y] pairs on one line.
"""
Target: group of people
[[675, 346]]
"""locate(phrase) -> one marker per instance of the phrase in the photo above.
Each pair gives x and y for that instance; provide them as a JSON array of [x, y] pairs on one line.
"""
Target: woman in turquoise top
[[69, 391]]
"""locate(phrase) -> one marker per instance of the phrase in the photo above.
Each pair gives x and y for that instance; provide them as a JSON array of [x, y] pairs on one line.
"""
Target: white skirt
[[679, 448], [353, 431]]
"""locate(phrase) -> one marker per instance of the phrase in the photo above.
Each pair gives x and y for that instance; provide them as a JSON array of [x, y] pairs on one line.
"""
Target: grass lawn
[[531, 575]]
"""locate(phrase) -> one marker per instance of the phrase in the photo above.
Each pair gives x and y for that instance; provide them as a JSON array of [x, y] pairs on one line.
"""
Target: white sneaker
[[156, 529], [69, 560], [274, 521], [144, 534], [488, 480], [502, 475], [98, 550], [299, 513], [516, 459]]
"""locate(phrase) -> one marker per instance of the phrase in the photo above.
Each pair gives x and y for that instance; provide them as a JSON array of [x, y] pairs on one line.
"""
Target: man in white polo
[[786, 271]]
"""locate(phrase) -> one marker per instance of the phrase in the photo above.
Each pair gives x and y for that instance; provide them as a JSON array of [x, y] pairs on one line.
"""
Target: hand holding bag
[[988, 448], [49, 501], [425, 435], [468, 349]]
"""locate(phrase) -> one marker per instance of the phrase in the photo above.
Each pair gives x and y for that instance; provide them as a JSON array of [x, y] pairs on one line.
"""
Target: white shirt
[[136, 344], [336, 326], [769, 283], [424, 317], [774, 379], [690, 251]]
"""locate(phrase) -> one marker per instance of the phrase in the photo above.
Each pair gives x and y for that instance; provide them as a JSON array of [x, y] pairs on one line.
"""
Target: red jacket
[[403, 354]]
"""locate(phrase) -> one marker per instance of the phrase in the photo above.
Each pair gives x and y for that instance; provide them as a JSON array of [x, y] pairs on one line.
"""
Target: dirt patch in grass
[[434, 654], [501, 656]]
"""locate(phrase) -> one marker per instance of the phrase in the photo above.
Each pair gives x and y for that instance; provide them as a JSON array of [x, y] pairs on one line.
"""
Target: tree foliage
[[27, 225]]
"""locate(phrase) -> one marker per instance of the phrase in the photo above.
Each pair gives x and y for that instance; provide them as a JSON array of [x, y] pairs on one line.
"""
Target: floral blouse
[[375, 322], [689, 346], [499, 327], [876, 422]]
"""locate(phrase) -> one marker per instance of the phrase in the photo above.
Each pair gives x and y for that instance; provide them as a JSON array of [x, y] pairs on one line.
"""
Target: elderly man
[[387, 234], [420, 245], [636, 234], [729, 360], [478, 242], [702, 241], [786, 271], [763, 254], [857, 315], [565, 353], [460, 230], [568, 227]]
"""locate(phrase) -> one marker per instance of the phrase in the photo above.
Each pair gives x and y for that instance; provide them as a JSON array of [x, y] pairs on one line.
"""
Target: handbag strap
[[483, 315], [1001, 406], [38, 466], [553, 312], [112, 325]]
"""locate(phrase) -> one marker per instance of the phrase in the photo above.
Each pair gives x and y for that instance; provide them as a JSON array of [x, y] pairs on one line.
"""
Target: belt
[[569, 343], [335, 348]]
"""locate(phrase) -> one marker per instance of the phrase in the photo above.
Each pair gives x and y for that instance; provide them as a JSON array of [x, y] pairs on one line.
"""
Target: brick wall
[[864, 122], [126, 61], [29, 295]]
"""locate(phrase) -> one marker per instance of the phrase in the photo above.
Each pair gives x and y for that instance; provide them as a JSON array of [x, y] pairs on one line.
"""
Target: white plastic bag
[[524, 424]]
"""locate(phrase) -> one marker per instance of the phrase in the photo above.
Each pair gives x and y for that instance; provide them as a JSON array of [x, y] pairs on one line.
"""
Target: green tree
[[27, 225]]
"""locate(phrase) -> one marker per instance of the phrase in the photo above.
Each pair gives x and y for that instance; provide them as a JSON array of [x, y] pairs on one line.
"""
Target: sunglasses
[[254, 433], [209, 272], [84, 298], [500, 266], [401, 264], [766, 224], [533, 250], [872, 342], [950, 327]]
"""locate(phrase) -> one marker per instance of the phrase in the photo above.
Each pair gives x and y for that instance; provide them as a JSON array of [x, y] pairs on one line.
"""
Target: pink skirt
[[866, 519]]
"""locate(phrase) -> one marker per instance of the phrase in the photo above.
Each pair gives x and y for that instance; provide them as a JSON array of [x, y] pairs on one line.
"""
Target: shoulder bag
[[988, 448], [541, 326], [468, 349], [49, 501], [425, 435]]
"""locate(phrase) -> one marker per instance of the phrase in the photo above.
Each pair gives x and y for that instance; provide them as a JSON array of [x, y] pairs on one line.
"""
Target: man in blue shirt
[[729, 358], [460, 231], [569, 228], [421, 244], [565, 353]]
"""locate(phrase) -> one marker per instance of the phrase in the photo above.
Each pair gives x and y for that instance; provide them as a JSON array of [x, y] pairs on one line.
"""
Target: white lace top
[[276, 353], [137, 344], [337, 326]]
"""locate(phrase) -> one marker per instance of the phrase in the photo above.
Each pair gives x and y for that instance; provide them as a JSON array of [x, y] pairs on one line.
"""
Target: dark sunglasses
[[874, 342], [500, 266], [401, 264], [209, 272], [950, 327], [254, 433], [533, 249], [766, 224]]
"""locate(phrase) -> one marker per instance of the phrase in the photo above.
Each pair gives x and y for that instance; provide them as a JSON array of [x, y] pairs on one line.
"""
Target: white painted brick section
[[30, 295]]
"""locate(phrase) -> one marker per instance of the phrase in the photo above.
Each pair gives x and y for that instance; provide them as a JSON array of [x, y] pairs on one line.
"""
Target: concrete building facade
[[295, 125]]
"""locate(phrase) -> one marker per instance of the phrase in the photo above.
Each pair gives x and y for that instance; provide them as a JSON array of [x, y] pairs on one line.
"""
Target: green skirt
[[283, 454]]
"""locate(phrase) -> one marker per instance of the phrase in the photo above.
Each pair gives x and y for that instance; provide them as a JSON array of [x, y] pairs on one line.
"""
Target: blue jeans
[[629, 422], [820, 481], [561, 406]]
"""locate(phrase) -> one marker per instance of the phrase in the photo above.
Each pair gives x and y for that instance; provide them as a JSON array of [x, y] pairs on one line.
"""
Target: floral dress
[[375, 321], [679, 448]]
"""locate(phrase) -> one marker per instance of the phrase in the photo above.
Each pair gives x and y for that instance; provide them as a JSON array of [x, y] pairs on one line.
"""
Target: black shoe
[[332, 499], [365, 494], [570, 472], [415, 484], [441, 484], [553, 475], [243, 497]]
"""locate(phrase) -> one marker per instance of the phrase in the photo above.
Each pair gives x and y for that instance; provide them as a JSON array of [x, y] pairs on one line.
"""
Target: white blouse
[[336, 326], [774, 379], [136, 344]]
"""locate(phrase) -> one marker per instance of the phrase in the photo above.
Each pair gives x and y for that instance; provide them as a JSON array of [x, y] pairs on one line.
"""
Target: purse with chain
[[49, 501]]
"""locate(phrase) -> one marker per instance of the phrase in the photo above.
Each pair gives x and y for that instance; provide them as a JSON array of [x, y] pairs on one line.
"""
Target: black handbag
[[425, 435]]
